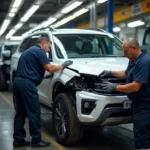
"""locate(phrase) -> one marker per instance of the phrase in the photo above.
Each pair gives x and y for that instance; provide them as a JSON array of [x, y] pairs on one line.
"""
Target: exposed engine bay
[[92, 83]]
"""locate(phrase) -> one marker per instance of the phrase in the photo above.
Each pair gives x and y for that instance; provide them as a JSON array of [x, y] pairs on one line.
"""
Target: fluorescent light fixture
[[48, 22], [101, 1], [29, 13], [11, 32], [17, 3], [5, 23], [4, 26], [13, 10], [116, 29], [25, 34], [80, 12], [65, 20], [135, 24], [11, 14], [71, 7], [2, 30], [19, 25], [16, 38]]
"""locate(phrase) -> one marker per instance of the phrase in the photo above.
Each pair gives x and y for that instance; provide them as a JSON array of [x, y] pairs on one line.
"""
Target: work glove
[[109, 87], [67, 63], [104, 74]]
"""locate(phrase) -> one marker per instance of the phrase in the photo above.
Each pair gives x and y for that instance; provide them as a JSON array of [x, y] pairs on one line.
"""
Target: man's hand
[[104, 74], [109, 87], [67, 63]]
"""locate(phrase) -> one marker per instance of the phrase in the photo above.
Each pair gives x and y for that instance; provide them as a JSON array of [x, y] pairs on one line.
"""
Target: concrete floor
[[110, 138]]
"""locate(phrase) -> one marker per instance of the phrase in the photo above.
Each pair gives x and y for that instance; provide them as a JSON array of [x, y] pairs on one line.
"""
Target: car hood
[[95, 66]]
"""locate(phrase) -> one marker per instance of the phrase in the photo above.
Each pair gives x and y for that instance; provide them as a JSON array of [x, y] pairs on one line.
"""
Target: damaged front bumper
[[101, 109]]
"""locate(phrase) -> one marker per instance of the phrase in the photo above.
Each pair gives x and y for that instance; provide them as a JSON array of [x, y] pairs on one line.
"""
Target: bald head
[[131, 42], [131, 48], [44, 42]]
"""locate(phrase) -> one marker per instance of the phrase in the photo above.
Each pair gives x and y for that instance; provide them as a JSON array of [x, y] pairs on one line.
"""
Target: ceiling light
[[116, 29], [30, 12], [11, 32], [101, 1], [135, 24], [71, 7], [4, 26], [25, 34], [5, 23], [13, 10], [11, 14], [17, 3], [80, 12], [16, 38], [63, 21], [19, 25], [48, 22], [2, 30]]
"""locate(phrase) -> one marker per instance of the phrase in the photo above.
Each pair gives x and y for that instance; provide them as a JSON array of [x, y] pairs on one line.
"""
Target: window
[[24, 44], [58, 52], [88, 45], [33, 40]]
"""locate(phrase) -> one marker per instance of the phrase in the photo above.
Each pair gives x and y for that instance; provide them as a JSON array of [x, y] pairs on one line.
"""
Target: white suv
[[75, 94]]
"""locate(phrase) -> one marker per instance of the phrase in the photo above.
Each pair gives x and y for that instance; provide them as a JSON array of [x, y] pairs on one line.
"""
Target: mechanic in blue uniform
[[137, 76], [30, 72]]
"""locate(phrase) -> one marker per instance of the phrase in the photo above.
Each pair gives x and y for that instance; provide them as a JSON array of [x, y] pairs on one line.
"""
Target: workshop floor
[[110, 138]]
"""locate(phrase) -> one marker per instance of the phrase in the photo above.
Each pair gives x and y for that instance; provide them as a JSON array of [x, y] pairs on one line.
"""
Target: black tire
[[66, 126], [14, 102], [3, 82]]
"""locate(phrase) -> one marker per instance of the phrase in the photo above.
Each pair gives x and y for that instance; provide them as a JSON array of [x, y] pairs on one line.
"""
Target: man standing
[[137, 87], [30, 72]]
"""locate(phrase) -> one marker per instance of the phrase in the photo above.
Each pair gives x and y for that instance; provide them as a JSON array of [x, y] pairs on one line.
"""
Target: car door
[[43, 87]]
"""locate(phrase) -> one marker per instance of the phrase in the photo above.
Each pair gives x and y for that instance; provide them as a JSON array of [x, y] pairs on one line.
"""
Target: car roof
[[71, 31], [78, 31]]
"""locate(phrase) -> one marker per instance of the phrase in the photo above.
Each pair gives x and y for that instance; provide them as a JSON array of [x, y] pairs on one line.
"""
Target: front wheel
[[66, 126]]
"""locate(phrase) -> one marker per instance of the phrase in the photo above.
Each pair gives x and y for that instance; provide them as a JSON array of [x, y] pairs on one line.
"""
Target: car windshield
[[87, 45], [12, 48]]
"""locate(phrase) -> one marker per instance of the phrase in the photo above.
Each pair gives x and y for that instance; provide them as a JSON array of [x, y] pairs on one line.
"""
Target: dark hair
[[43, 37]]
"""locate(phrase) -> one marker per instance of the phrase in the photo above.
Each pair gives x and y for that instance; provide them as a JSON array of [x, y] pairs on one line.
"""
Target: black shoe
[[20, 144], [41, 143]]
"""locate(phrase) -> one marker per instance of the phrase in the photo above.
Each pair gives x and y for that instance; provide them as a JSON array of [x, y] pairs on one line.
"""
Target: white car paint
[[92, 66]]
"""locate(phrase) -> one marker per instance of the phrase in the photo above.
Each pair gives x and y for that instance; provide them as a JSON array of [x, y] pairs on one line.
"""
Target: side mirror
[[6, 53]]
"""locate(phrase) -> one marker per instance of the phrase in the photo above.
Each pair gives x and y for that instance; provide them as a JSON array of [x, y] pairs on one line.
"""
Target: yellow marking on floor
[[49, 138], [10, 103], [53, 141]]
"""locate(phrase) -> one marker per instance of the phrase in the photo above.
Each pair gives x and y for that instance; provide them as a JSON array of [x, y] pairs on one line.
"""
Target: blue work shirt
[[139, 71], [31, 64]]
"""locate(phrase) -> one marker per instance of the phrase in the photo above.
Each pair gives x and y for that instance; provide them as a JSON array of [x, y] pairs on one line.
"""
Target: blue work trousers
[[27, 104], [141, 122]]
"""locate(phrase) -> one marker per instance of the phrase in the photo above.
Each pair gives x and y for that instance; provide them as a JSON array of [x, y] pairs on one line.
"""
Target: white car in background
[[75, 94], [7, 49]]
